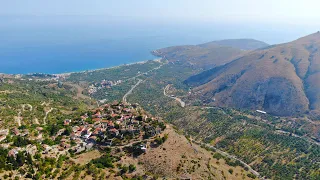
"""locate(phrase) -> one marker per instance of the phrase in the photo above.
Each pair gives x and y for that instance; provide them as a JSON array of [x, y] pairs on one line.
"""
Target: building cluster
[[103, 125], [109, 125], [103, 84]]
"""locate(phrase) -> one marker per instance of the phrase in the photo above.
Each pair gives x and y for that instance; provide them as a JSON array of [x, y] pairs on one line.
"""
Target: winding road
[[182, 104], [46, 115]]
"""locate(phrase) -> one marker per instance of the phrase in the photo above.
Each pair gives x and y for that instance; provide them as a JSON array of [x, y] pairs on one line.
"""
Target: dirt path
[[36, 121], [46, 115], [279, 131], [233, 157], [297, 136], [178, 158], [24, 106], [182, 104], [312, 122], [18, 118], [79, 90]]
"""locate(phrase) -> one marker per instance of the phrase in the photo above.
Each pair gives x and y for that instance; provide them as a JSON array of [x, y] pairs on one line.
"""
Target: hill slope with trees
[[281, 80], [210, 54]]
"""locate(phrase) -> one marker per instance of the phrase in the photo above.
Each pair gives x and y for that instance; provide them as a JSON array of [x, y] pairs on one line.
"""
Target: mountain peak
[[282, 80]]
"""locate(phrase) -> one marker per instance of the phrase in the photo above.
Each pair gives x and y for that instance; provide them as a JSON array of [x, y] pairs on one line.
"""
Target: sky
[[273, 21], [299, 12]]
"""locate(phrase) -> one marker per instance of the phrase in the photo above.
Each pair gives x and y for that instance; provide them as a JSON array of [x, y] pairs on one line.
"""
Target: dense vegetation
[[114, 93], [151, 91], [274, 155], [117, 73]]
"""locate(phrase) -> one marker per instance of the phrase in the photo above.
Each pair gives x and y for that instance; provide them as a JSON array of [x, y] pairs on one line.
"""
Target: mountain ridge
[[244, 44], [211, 54], [285, 76]]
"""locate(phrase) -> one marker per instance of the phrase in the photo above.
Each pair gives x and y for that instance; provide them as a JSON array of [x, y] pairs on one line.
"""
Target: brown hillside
[[210, 54], [245, 44], [177, 158], [282, 80]]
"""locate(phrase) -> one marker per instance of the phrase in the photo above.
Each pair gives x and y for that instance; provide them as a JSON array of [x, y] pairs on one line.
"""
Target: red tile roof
[[96, 119]]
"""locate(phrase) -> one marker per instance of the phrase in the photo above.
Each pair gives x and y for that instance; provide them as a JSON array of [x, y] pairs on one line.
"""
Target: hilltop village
[[124, 126], [113, 124]]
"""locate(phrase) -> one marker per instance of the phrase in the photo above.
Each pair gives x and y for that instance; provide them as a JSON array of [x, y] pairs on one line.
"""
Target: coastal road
[[182, 104], [124, 99]]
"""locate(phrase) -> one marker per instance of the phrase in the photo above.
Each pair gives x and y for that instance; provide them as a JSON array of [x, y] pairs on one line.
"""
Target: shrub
[[251, 176], [218, 156], [106, 161], [132, 167]]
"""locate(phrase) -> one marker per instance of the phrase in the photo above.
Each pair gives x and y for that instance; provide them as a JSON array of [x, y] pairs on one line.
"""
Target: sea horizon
[[46, 45]]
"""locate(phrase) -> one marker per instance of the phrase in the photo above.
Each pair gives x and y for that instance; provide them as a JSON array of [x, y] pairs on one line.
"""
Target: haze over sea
[[58, 45]]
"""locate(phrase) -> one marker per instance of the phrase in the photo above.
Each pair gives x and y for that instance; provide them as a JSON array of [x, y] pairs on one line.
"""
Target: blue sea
[[69, 44]]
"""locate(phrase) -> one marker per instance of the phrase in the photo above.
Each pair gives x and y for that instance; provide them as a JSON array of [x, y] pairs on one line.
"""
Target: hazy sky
[[273, 21], [298, 12]]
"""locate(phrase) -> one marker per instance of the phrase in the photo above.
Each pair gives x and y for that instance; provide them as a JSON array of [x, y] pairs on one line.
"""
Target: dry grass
[[177, 157], [86, 157]]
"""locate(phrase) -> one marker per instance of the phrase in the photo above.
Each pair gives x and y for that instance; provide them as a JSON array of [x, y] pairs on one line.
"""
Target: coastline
[[82, 71], [101, 69]]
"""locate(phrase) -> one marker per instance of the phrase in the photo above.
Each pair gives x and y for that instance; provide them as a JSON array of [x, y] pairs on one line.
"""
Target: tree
[[67, 131], [20, 141], [132, 168], [124, 169]]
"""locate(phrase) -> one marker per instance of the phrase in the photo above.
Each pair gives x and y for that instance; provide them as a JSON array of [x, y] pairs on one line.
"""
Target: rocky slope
[[282, 79]]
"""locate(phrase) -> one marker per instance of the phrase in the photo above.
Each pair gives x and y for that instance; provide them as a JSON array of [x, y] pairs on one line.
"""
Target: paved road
[[145, 73], [182, 104], [124, 99]]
